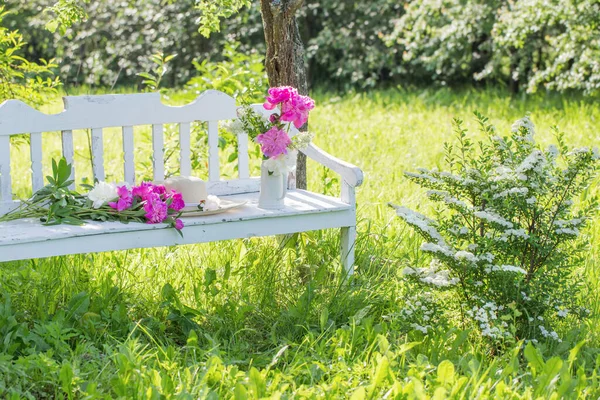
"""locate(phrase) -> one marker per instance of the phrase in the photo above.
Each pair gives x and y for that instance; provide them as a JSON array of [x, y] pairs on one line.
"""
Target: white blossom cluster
[[504, 268], [583, 150], [552, 151], [489, 323], [533, 162], [438, 178], [531, 200], [233, 126], [466, 256], [459, 230], [419, 221], [549, 334], [562, 311], [503, 173], [302, 140], [568, 227], [439, 249], [420, 311], [517, 233], [528, 125], [450, 200], [567, 231], [432, 275], [513, 191], [425, 175], [493, 218]]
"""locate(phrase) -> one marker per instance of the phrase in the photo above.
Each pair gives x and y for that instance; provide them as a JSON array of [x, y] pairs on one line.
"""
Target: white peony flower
[[282, 164], [212, 203], [102, 193]]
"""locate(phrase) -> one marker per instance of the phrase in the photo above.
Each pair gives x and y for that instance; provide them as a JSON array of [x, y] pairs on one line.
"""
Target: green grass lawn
[[253, 319]]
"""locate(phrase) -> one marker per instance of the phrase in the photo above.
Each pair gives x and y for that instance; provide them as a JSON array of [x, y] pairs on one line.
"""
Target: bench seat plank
[[28, 238]]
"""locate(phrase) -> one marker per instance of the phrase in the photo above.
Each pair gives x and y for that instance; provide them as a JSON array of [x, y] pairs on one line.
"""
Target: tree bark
[[284, 60]]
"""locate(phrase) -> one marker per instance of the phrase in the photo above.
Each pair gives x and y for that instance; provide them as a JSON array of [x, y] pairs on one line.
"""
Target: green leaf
[[240, 392], [54, 168], [192, 340], [323, 318], [445, 372], [550, 372], [403, 348], [64, 170], [574, 351], [66, 377], [210, 275], [147, 75], [381, 371], [534, 358], [359, 394], [52, 25], [73, 221], [79, 304]]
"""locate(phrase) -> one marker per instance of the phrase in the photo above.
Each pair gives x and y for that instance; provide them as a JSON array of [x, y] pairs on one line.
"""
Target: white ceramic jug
[[273, 188]]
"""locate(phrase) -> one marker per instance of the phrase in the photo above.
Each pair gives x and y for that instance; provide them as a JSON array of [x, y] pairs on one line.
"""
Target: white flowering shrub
[[506, 232]]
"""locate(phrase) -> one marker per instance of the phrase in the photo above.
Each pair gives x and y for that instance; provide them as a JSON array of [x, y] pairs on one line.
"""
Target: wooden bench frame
[[304, 211]]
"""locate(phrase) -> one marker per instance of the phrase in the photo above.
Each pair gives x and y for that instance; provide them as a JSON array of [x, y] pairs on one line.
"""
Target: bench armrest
[[351, 174]]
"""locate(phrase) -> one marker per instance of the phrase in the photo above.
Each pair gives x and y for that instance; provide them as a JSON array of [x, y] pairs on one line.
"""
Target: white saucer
[[191, 209]]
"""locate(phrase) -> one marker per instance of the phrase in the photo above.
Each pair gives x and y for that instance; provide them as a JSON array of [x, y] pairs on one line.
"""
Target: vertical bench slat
[[213, 151], [97, 154], [243, 169], [158, 158], [5, 180], [68, 151], [128, 164], [35, 150], [185, 165]]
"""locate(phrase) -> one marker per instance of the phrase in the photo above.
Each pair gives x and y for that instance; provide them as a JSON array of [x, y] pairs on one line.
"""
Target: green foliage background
[[526, 45]]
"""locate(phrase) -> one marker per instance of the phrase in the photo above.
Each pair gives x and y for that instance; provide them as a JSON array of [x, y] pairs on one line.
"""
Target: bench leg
[[348, 240]]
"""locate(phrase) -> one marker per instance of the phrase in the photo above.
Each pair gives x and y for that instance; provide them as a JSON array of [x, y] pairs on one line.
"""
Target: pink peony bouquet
[[273, 134], [154, 202], [294, 107], [56, 203]]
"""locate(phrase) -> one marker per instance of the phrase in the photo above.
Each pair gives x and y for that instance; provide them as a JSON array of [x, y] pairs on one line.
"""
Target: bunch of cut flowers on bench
[[273, 133], [57, 204]]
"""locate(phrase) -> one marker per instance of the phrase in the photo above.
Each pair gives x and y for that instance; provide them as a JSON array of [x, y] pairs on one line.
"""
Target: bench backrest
[[123, 111]]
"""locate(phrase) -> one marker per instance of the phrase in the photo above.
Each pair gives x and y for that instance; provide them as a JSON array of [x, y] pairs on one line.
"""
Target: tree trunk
[[285, 56]]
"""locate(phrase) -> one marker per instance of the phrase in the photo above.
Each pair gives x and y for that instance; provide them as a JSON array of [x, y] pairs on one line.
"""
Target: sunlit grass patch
[[265, 317]]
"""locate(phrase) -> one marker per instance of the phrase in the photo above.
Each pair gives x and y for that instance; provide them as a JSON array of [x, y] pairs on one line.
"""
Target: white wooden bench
[[29, 238]]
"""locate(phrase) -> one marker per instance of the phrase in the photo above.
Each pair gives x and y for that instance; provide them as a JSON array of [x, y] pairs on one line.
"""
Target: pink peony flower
[[177, 204], [279, 95], [178, 224], [156, 209], [143, 190], [274, 142], [125, 199], [296, 110], [159, 189]]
